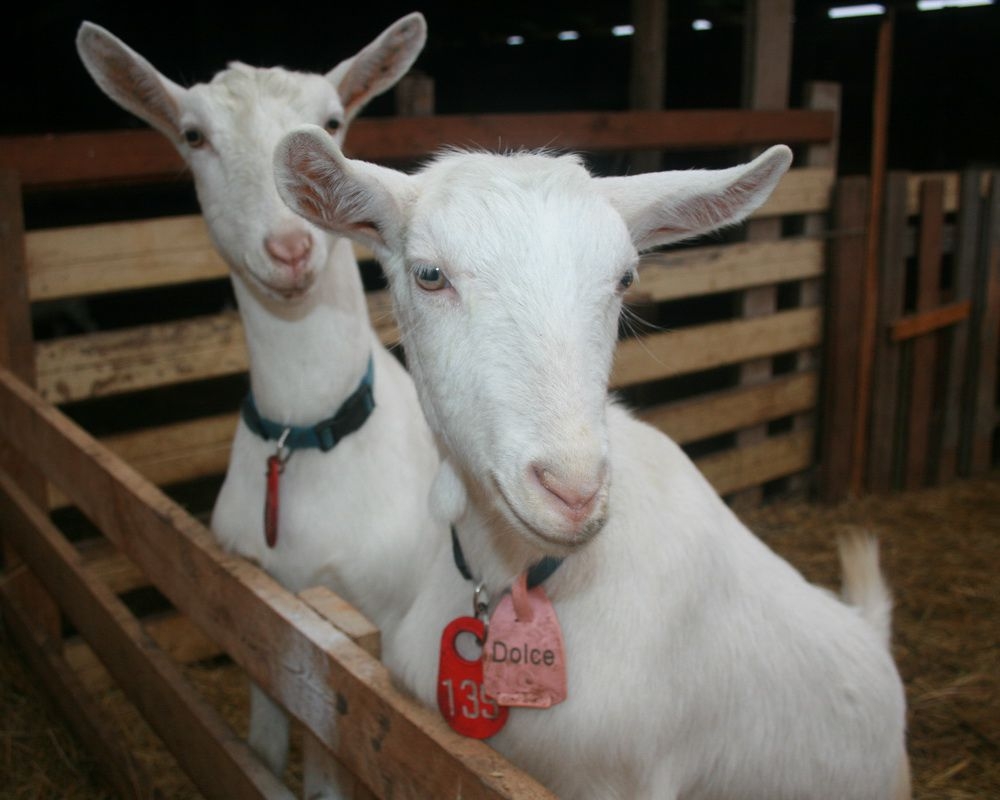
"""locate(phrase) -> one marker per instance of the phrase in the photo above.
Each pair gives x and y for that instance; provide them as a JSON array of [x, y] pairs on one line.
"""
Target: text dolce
[[500, 652]]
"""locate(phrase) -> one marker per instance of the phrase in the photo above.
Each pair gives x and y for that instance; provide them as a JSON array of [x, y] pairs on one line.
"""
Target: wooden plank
[[807, 190], [882, 388], [664, 355], [920, 447], [109, 565], [129, 156], [841, 339], [953, 194], [767, 53], [729, 410], [913, 325], [119, 256], [387, 739], [647, 71], [219, 764], [956, 428], [692, 272], [174, 453], [345, 617], [986, 320], [173, 633], [114, 362], [744, 467], [103, 739]]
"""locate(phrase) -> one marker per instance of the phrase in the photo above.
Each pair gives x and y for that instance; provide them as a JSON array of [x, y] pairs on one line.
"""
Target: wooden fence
[[162, 396], [934, 386]]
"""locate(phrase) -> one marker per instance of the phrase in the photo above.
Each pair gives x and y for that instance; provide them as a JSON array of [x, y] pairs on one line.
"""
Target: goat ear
[[663, 207], [379, 65], [352, 198], [130, 80]]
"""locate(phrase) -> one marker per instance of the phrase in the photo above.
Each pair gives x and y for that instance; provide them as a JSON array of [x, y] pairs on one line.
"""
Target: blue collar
[[537, 574], [324, 435]]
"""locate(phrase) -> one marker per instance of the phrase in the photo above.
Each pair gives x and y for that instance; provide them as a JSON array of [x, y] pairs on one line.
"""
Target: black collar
[[537, 573]]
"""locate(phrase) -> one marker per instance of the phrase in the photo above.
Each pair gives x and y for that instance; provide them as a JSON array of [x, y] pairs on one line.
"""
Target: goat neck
[[307, 354]]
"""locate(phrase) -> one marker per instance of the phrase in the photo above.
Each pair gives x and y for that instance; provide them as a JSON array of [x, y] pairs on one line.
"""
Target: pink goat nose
[[291, 248], [578, 496]]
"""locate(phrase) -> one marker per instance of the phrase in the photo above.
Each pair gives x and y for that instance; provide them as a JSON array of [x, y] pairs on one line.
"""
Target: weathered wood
[[17, 353], [729, 410], [841, 338], [881, 389], [692, 272], [173, 633], [112, 362], [130, 156], [220, 765], [117, 256], [663, 355], [104, 740], [870, 297], [954, 194], [956, 429], [743, 467], [767, 53], [920, 447], [389, 741], [913, 325], [109, 565], [807, 190], [345, 617], [986, 320]]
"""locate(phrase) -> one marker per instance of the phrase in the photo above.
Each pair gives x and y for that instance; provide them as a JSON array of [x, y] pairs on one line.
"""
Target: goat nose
[[291, 248], [577, 495]]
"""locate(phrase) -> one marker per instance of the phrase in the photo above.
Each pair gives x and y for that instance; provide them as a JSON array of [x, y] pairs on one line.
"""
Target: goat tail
[[864, 586]]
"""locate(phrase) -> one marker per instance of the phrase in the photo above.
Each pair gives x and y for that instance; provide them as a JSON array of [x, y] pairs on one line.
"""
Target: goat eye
[[431, 279], [194, 137], [626, 280], [333, 124]]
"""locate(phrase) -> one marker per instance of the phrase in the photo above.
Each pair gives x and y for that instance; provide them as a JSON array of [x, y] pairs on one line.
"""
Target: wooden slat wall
[[934, 394], [105, 259]]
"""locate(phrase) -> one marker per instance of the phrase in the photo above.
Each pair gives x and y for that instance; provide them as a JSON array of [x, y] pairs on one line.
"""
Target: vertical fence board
[[953, 461], [987, 323], [885, 379], [845, 283], [922, 386]]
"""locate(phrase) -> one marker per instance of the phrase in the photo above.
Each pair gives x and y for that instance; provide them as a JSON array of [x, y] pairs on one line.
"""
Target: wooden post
[[881, 394], [767, 64], [845, 279], [648, 73], [17, 353], [869, 298], [957, 436], [920, 439], [986, 320]]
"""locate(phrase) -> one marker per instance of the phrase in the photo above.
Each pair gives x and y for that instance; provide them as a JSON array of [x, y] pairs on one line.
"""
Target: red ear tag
[[464, 704], [274, 468], [524, 662]]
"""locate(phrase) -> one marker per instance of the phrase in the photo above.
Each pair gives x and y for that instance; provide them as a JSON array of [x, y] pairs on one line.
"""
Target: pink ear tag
[[524, 663], [463, 701]]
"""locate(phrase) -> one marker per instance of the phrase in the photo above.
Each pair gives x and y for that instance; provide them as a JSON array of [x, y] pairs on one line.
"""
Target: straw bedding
[[940, 551]]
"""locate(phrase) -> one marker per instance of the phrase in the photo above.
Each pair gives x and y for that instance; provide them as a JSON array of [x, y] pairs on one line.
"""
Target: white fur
[[355, 518], [700, 664]]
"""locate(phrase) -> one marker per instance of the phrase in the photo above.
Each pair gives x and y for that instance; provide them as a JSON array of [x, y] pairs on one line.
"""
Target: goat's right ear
[[130, 80], [353, 198]]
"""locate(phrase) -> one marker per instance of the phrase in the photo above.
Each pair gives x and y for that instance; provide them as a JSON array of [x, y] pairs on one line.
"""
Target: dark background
[[945, 97]]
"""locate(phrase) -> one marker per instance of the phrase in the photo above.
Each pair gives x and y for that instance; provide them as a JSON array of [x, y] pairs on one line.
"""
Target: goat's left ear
[[380, 64], [663, 207], [352, 198]]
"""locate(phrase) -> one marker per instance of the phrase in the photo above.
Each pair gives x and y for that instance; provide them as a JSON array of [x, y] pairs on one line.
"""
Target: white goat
[[351, 518], [700, 664]]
